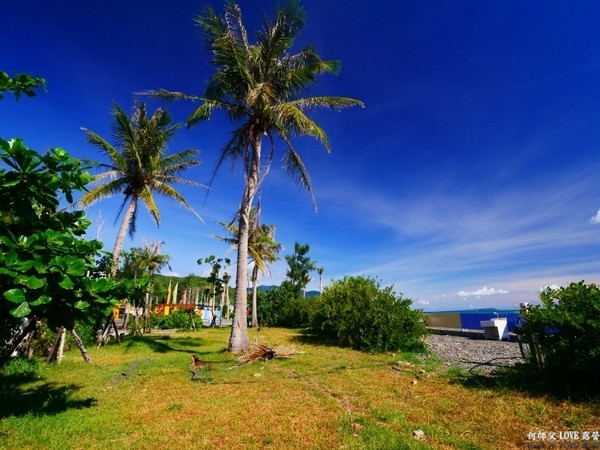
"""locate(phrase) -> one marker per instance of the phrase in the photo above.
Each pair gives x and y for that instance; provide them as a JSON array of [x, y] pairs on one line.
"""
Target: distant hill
[[271, 287], [477, 311]]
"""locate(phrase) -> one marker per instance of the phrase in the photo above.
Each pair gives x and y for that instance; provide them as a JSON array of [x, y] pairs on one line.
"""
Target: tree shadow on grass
[[306, 336], [22, 395], [164, 344], [523, 378]]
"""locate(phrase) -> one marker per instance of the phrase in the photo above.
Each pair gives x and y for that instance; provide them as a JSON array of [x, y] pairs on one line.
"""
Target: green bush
[[177, 319], [358, 312], [296, 312], [282, 307], [567, 327]]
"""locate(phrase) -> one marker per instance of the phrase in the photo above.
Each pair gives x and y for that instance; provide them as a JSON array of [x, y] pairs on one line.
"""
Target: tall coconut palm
[[262, 250], [320, 271], [260, 87], [138, 167]]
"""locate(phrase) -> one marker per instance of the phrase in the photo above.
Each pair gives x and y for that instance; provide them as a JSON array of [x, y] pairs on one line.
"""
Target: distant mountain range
[[270, 288], [477, 311]]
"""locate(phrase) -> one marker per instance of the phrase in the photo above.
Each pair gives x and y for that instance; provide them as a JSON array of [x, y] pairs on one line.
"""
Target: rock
[[418, 434]]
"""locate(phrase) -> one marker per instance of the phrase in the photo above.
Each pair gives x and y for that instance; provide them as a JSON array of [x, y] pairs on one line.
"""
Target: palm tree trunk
[[121, 235], [239, 341], [254, 296]]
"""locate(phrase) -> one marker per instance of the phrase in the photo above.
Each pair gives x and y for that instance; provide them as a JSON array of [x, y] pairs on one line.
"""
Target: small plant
[[358, 312]]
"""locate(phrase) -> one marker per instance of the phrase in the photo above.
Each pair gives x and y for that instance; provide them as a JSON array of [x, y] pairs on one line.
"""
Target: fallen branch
[[264, 353]]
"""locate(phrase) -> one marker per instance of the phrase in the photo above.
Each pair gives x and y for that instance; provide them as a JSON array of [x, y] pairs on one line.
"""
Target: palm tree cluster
[[261, 86]]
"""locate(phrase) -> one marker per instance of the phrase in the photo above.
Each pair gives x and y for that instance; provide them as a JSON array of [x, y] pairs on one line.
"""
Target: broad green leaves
[[44, 263], [21, 83], [15, 295]]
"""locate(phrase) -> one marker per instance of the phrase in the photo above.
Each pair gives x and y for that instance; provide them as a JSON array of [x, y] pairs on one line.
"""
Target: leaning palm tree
[[138, 167], [260, 87], [262, 250]]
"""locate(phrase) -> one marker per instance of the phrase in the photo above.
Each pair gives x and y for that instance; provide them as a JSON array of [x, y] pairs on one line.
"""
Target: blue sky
[[469, 180]]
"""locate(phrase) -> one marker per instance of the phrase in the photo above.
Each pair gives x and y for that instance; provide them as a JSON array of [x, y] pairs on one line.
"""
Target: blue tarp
[[472, 321]]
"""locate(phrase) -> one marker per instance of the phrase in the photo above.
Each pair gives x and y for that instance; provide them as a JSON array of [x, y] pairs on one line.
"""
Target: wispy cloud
[[530, 234]]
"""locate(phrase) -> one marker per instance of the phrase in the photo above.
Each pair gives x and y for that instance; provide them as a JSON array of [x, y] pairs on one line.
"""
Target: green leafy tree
[[19, 84], [45, 262], [566, 326], [300, 267], [139, 168], [358, 312], [260, 86]]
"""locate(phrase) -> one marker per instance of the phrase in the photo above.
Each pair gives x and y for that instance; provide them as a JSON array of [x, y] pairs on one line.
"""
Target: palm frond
[[146, 196], [295, 167], [235, 25], [168, 96], [101, 192], [297, 123], [117, 158], [262, 352], [170, 192], [335, 103]]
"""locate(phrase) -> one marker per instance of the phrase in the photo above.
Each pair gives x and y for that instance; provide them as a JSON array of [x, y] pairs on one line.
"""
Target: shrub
[[283, 307], [178, 318], [296, 312], [358, 312], [271, 303], [567, 327]]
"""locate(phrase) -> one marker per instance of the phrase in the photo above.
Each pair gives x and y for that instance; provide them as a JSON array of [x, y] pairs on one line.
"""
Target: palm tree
[[140, 263], [320, 271], [226, 279], [138, 167], [260, 87], [262, 249]]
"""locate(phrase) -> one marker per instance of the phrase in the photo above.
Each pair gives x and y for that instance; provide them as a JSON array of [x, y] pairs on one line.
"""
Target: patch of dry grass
[[141, 395]]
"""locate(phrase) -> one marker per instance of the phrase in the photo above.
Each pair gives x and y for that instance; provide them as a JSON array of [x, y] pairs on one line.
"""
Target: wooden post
[[61, 344], [54, 349], [81, 347], [534, 348]]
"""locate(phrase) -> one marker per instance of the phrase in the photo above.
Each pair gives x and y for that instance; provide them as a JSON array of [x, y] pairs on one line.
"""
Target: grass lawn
[[140, 395]]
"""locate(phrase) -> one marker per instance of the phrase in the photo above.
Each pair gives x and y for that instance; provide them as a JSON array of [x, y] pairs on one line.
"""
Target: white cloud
[[596, 218], [552, 286], [423, 302], [483, 291]]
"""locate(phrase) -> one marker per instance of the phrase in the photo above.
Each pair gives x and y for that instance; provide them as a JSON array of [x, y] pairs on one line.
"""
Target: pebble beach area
[[474, 353]]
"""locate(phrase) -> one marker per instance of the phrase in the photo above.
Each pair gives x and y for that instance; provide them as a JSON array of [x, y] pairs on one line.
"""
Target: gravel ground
[[471, 353]]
